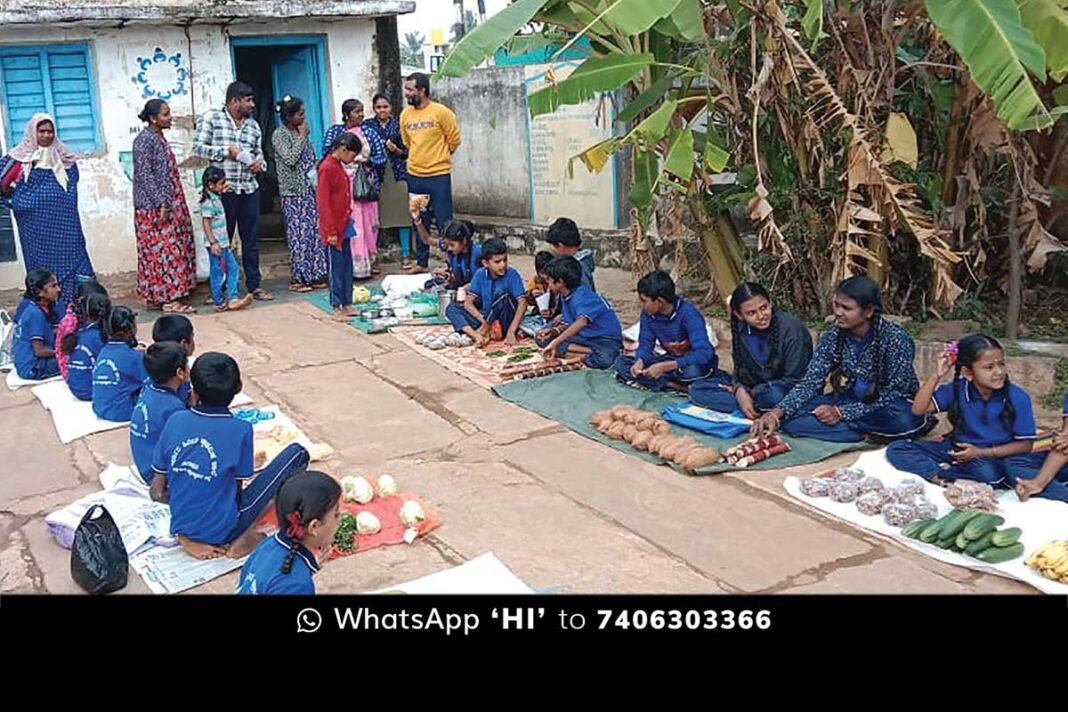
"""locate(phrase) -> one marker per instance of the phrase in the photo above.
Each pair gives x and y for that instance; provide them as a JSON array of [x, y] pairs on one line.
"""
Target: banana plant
[[655, 52]]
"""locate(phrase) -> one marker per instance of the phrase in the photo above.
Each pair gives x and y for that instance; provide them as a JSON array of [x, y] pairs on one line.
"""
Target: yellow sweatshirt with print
[[431, 135]]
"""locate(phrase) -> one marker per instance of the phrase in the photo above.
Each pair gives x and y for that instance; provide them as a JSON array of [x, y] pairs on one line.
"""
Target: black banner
[[597, 621]]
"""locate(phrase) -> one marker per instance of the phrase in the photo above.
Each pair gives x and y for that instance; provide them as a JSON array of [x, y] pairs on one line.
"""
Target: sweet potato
[[641, 440]]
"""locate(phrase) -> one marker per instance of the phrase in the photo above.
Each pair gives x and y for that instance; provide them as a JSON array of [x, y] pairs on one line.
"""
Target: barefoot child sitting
[[201, 455], [177, 328], [308, 511], [587, 325], [496, 295], [1043, 475]]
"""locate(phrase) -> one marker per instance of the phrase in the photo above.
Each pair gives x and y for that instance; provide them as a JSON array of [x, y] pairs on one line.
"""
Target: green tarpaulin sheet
[[571, 398]]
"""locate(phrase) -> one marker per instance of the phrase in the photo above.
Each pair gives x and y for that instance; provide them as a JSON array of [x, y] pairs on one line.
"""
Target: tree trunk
[[1012, 319], [722, 247]]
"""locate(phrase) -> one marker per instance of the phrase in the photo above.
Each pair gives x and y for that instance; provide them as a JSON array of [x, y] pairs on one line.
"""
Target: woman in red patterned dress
[[166, 254]]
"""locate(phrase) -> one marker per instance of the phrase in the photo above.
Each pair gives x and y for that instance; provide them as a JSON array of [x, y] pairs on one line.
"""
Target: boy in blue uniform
[[1038, 475], [992, 418], [587, 325], [119, 372], [308, 512], [176, 327], [33, 348], [680, 330], [202, 454], [496, 295], [567, 242], [167, 366]]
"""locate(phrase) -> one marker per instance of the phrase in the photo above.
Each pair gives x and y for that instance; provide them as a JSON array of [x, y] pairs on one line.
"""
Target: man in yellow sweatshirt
[[430, 132]]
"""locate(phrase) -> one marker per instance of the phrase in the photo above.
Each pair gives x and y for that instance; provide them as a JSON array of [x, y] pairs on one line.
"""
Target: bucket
[[444, 300]]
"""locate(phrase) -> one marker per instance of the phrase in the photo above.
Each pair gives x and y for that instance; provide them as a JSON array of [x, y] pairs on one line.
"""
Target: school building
[[94, 66]]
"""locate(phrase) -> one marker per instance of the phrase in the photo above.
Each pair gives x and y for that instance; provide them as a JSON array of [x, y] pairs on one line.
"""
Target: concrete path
[[562, 511]]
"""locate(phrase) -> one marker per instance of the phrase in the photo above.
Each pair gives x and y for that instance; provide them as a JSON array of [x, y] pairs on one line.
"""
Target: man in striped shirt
[[231, 138]]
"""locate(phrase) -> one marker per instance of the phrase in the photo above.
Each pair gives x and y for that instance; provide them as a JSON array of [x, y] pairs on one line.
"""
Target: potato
[[629, 432], [615, 430], [641, 440], [662, 427], [700, 457]]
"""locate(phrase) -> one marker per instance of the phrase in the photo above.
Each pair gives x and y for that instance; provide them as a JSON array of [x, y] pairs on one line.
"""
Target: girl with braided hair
[[992, 418], [307, 506], [771, 350], [869, 364]]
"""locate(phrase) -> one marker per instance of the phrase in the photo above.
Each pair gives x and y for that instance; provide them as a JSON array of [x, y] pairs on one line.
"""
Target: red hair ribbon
[[295, 530]]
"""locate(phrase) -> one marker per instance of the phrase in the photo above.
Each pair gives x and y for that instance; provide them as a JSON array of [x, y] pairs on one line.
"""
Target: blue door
[[295, 72]]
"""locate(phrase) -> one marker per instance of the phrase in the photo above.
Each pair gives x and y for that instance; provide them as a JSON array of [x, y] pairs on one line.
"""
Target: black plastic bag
[[98, 560]]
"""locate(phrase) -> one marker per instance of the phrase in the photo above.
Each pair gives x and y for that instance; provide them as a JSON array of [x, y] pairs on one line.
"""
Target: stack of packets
[[755, 450]]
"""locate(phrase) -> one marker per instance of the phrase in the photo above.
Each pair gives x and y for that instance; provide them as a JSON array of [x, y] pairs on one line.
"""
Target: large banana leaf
[[1048, 22], [812, 22], [680, 157], [999, 51], [656, 125], [685, 23], [646, 99], [487, 38], [595, 75], [629, 17]]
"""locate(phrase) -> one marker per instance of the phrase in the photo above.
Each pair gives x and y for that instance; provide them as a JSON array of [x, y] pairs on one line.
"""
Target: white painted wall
[[105, 194]]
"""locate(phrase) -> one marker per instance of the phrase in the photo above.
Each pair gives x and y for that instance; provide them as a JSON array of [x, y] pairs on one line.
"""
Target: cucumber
[[960, 542], [1005, 537], [946, 542], [929, 534], [999, 554], [912, 529], [978, 527], [978, 545], [956, 525]]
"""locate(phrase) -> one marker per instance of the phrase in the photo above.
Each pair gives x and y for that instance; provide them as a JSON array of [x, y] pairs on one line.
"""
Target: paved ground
[[562, 511]]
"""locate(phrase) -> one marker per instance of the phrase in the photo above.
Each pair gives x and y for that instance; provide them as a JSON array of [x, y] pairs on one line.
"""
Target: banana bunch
[[1051, 560]]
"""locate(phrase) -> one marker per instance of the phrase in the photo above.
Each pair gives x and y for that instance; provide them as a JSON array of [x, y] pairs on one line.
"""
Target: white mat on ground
[[14, 382], [75, 418], [483, 575], [1041, 520], [405, 284]]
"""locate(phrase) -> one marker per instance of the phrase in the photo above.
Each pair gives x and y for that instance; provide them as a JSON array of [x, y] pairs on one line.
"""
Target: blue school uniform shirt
[[463, 267], [82, 361], [154, 408], [981, 423], [682, 334], [758, 344], [262, 573], [118, 376], [857, 346], [585, 260], [584, 302], [486, 288], [31, 324], [203, 452]]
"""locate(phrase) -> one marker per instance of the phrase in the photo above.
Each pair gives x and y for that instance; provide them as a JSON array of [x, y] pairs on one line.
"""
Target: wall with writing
[[590, 199]]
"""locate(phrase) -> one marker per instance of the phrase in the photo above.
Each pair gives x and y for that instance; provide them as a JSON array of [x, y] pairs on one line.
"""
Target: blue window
[[57, 79]]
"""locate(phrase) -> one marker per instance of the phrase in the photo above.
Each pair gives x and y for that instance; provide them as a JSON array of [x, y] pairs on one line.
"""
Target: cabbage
[[367, 523], [411, 513], [387, 486], [357, 489]]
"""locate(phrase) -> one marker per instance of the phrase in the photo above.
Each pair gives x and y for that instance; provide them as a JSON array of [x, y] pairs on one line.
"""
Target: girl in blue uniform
[[992, 418], [85, 343], [1038, 475], [465, 255], [119, 373], [307, 506], [33, 347], [869, 363], [771, 351]]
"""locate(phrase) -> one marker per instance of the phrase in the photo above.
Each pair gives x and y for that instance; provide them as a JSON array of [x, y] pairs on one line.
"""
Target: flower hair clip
[[951, 351]]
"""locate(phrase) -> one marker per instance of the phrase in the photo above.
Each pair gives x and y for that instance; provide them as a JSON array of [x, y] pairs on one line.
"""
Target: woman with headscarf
[[40, 177], [393, 209], [166, 252], [364, 213], [295, 164]]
